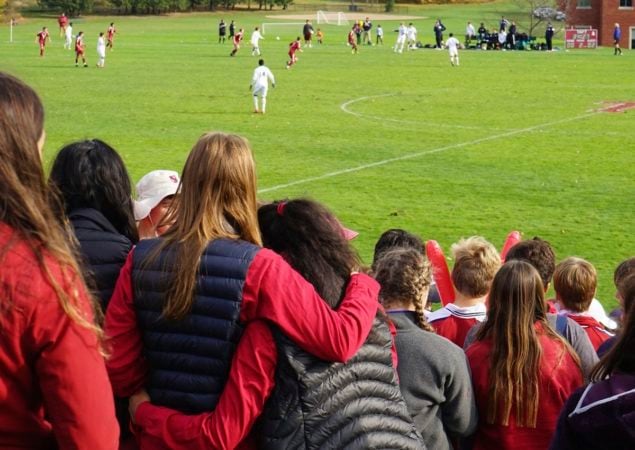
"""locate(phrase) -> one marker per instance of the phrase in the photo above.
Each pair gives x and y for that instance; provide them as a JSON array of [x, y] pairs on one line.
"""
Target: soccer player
[[62, 22], [79, 49], [260, 84], [41, 39], [68, 36], [352, 40], [319, 36], [401, 38], [237, 38], [294, 47], [307, 31], [255, 38], [101, 50], [453, 44], [110, 35], [411, 36], [222, 31]]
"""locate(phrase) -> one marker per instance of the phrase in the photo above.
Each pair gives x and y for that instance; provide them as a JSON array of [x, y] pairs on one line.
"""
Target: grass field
[[508, 140]]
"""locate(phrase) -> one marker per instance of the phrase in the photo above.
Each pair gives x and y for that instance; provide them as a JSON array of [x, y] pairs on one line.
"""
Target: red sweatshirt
[[272, 291], [54, 390], [594, 329], [559, 377]]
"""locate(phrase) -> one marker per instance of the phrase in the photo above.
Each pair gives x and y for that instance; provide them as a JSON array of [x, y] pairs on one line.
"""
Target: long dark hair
[[91, 174], [621, 357], [309, 237], [25, 199]]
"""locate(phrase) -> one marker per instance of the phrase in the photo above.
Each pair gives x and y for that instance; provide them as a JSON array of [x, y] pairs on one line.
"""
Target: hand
[[134, 401]]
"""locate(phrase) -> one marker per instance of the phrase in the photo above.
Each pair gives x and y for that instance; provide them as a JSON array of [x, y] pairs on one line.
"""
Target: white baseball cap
[[152, 188]]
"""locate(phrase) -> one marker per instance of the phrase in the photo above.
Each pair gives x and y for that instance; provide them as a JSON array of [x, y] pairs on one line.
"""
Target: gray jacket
[[435, 382]]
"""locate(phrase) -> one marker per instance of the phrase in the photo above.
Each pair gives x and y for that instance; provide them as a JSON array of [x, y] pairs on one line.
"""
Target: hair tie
[[280, 208]]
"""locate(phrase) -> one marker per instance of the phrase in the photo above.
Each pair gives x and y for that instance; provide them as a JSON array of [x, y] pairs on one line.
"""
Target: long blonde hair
[[25, 200], [217, 200], [516, 303]]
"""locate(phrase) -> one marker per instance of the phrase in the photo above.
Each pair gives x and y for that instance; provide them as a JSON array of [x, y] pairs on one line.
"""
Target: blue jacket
[[189, 359]]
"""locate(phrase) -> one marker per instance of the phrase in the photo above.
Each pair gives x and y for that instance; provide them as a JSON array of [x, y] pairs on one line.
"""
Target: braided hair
[[405, 276]]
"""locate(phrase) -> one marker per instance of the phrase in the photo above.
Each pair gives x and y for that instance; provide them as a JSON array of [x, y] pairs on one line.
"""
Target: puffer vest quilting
[[189, 360], [320, 405]]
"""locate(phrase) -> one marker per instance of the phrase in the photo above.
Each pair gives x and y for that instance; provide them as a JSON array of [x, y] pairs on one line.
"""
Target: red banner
[[581, 38]]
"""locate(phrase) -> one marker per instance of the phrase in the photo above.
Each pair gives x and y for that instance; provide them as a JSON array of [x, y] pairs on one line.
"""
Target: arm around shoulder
[[275, 292]]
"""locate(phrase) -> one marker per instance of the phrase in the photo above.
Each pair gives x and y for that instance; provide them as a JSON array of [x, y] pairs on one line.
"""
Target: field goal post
[[273, 25], [331, 18]]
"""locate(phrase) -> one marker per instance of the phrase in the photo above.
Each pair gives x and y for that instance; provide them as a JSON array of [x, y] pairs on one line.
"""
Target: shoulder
[[439, 314]]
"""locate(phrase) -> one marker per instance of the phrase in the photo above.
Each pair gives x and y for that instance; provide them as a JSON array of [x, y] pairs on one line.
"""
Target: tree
[[70, 7], [540, 11]]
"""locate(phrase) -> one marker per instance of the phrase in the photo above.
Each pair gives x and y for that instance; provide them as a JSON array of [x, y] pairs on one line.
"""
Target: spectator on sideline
[[95, 194], [624, 270], [438, 30], [379, 33], [539, 254], [601, 416], [433, 372], [177, 334], [155, 195], [396, 237], [549, 32], [470, 34], [222, 31], [522, 370], [476, 261], [575, 281], [53, 383], [314, 243]]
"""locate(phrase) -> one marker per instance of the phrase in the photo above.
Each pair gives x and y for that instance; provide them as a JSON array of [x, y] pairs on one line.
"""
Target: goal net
[[285, 28], [331, 18]]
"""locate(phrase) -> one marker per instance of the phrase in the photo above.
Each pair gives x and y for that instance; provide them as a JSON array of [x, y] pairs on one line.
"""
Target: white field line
[[383, 162], [344, 107]]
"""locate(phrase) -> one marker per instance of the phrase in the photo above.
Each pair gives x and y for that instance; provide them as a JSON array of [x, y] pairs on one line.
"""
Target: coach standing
[[549, 36]]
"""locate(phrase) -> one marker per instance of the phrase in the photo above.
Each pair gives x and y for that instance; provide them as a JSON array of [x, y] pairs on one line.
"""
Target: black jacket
[[103, 248]]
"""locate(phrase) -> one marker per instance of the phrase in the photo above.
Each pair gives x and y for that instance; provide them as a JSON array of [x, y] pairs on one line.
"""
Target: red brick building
[[602, 15]]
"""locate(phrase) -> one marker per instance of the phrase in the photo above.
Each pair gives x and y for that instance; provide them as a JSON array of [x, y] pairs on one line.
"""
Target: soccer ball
[[277, 38]]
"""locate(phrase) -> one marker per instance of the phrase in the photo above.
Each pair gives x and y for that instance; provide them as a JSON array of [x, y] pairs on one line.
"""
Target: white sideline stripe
[[423, 153], [344, 107]]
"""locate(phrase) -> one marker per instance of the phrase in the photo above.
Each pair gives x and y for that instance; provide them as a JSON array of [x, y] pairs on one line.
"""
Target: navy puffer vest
[[321, 405], [190, 359]]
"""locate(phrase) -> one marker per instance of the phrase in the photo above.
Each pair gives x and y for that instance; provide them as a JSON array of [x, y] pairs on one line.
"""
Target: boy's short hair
[[476, 262], [575, 280], [623, 271], [539, 254], [397, 238]]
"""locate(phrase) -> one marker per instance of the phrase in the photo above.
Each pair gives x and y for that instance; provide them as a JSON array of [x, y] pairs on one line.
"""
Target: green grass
[[511, 143]]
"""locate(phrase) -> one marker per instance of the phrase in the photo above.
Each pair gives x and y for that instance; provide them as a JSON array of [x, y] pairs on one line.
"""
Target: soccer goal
[[331, 18], [282, 28]]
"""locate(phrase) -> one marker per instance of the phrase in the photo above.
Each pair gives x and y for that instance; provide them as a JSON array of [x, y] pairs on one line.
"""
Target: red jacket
[[559, 377], [309, 321], [594, 329], [54, 391]]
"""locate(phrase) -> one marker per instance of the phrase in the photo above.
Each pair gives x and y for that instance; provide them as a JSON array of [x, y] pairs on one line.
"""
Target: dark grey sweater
[[435, 382]]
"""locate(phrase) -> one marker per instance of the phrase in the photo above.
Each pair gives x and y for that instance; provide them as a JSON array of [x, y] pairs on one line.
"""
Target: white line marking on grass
[[423, 153], [344, 107]]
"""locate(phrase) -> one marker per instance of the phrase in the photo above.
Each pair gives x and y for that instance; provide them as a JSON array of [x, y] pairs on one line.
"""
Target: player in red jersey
[[237, 38], [352, 40], [294, 47], [110, 35], [79, 49], [41, 39], [62, 22]]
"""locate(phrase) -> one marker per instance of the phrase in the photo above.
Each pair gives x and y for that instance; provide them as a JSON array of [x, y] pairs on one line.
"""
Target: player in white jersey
[[255, 38], [68, 35], [101, 50], [401, 38], [453, 44], [411, 36], [260, 84]]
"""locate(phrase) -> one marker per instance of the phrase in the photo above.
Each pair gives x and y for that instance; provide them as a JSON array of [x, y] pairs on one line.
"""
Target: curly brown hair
[[405, 276]]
